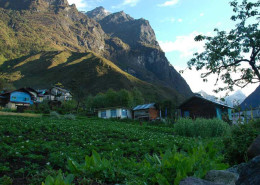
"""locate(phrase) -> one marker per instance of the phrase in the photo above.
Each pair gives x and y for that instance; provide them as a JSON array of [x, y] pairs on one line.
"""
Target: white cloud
[[201, 14], [85, 4], [179, 20], [79, 3], [185, 44], [131, 3], [168, 3]]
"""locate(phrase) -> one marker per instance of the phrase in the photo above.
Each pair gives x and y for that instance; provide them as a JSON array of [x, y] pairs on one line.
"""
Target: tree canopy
[[236, 51]]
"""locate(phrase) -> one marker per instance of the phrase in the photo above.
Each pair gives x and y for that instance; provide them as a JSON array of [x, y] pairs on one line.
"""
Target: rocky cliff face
[[132, 32], [33, 4], [98, 13]]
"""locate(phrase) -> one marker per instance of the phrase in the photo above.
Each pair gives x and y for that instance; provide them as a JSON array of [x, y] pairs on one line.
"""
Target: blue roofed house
[[23, 97]]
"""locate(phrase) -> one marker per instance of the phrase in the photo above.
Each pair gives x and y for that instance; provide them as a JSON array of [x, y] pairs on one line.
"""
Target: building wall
[[148, 114], [153, 114], [11, 105], [118, 113], [21, 97]]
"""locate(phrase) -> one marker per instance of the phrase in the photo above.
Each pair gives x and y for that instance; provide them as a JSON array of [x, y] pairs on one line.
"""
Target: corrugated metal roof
[[145, 106]]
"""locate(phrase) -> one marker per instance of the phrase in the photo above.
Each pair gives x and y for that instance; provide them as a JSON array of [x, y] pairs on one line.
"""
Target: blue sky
[[176, 23]]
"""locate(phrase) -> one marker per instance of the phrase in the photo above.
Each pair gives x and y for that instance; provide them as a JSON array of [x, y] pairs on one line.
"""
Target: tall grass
[[201, 127]]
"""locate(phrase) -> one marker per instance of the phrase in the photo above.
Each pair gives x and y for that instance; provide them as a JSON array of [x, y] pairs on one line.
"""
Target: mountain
[[236, 98], [252, 101], [39, 28], [98, 13], [207, 96], [142, 56]]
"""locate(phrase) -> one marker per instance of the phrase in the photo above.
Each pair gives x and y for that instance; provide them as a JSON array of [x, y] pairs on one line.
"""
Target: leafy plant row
[[164, 169]]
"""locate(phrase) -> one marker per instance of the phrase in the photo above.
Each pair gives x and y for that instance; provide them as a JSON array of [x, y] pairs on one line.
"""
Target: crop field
[[33, 148]]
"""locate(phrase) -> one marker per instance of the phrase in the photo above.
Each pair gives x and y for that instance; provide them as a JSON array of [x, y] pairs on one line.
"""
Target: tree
[[78, 92], [236, 51]]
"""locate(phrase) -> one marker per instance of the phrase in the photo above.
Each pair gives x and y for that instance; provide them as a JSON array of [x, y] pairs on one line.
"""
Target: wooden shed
[[199, 107], [146, 112]]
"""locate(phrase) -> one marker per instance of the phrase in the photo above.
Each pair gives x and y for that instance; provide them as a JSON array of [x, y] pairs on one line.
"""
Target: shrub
[[8, 110], [41, 108], [201, 127], [70, 116], [54, 114], [238, 141]]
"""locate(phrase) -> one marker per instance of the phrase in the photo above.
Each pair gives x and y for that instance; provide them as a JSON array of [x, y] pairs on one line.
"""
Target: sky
[[176, 23]]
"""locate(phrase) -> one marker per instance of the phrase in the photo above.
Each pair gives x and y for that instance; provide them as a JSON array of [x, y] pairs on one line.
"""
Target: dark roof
[[61, 89], [19, 90], [204, 99], [145, 106]]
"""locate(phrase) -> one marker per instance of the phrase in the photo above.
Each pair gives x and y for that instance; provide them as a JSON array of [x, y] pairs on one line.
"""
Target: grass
[[19, 114], [32, 148]]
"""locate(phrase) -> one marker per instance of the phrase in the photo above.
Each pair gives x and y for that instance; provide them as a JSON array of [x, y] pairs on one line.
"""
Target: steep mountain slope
[[47, 26], [94, 74], [144, 57], [40, 27], [252, 101]]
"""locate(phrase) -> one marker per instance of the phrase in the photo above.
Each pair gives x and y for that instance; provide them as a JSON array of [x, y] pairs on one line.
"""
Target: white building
[[115, 112]]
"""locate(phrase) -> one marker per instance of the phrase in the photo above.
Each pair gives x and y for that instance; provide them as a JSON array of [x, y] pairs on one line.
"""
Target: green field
[[33, 148]]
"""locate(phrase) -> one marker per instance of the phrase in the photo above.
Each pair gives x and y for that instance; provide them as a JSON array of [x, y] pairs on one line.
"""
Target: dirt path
[[19, 114]]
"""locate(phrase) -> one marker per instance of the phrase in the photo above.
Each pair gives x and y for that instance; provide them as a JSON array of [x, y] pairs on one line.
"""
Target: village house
[[60, 94], [55, 93], [23, 97], [146, 112], [115, 112], [199, 107]]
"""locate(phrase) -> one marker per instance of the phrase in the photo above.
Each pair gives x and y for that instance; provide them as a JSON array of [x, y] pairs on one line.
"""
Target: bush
[[238, 141], [54, 114], [70, 116], [201, 127], [8, 110], [41, 108]]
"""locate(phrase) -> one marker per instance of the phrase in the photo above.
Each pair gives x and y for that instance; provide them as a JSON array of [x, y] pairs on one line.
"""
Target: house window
[[124, 112], [103, 114], [26, 99], [113, 113]]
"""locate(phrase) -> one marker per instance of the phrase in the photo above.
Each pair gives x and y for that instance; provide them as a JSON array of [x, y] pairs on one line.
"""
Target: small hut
[[146, 112]]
